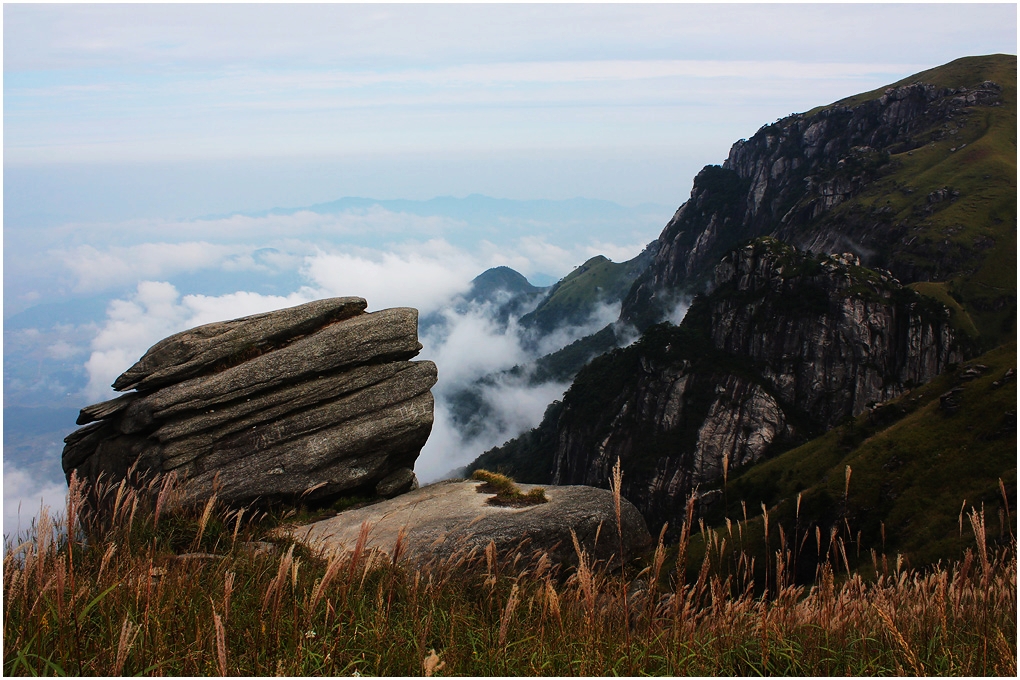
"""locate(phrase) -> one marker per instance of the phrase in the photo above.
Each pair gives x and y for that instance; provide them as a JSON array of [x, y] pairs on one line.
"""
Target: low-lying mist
[[474, 348]]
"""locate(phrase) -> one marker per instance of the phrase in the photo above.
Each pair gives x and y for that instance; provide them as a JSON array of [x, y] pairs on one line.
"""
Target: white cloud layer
[[24, 497], [166, 83], [516, 408], [425, 277], [470, 344], [97, 270], [44, 36]]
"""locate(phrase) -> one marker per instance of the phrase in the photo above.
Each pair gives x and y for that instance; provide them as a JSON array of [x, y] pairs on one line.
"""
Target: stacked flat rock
[[306, 404]]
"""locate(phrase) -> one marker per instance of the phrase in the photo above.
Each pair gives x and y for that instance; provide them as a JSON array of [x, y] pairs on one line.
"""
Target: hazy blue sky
[[115, 111]]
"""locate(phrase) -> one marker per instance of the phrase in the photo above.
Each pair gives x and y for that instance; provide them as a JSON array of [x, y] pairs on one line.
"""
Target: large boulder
[[303, 404], [452, 518]]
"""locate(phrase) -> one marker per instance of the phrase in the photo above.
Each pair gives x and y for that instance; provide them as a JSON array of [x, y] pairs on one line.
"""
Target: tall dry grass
[[163, 590]]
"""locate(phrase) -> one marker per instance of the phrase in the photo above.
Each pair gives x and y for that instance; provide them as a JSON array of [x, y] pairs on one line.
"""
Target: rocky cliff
[[844, 178], [307, 403], [915, 184], [786, 345]]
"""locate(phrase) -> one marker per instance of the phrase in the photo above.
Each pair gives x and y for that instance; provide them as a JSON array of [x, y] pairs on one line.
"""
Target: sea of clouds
[[152, 279]]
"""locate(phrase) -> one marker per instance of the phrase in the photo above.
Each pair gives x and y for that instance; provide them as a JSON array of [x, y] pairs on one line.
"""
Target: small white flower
[[310, 635]]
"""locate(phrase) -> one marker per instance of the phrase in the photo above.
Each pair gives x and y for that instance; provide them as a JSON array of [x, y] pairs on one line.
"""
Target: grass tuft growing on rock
[[507, 492]]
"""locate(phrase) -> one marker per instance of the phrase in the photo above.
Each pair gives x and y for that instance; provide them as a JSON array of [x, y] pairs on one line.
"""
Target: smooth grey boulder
[[453, 518], [301, 405]]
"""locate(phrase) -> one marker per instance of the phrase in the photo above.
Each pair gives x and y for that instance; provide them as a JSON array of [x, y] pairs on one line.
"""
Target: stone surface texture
[[453, 518], [786, 346], [303, 404]]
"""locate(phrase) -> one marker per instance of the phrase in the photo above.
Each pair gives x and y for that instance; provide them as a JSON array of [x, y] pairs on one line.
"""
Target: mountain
[[573, 299], [560, 313], [505, 290], [912, 188], [492, 283], [785, 346], [918, 178]]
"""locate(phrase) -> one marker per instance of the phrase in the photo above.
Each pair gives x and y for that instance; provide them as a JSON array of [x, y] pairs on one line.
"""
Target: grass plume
[[135, 597]]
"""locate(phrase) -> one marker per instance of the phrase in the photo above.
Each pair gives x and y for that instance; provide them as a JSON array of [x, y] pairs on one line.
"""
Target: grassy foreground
[[175, 592]]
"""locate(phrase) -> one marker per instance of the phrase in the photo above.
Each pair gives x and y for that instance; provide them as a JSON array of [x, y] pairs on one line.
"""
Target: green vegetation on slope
[[962, 72], [960, 320], [954, 197], [575, 297], [913, 463]]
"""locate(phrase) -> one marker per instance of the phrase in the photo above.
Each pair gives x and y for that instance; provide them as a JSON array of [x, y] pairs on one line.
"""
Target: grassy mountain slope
[[913, 463], [572, 300], [972, 223]]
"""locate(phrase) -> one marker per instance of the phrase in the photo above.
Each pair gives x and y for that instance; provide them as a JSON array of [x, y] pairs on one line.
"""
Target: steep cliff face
[[917, 181], [786, 345], [792, 177]]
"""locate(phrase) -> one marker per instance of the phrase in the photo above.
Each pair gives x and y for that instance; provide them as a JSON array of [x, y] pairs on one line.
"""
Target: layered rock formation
[[307, 403], [451, 518]]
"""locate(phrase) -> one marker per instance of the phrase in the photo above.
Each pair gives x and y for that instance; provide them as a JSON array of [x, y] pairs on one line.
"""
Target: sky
[[194, 108], [145, 147]]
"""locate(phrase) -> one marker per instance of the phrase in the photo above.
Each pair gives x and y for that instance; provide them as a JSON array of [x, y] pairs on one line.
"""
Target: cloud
[[472, 351], [301, 225], [62, 350], [535, 254], [332, 37], [471, 344], [24, 496], [238, 243], [424, 276], [678, 311], [515, 407], [97, 270], [601, 316]]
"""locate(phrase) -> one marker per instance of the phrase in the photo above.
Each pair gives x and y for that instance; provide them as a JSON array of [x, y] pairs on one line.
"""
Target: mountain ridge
[[917, 181], [885, 179]]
